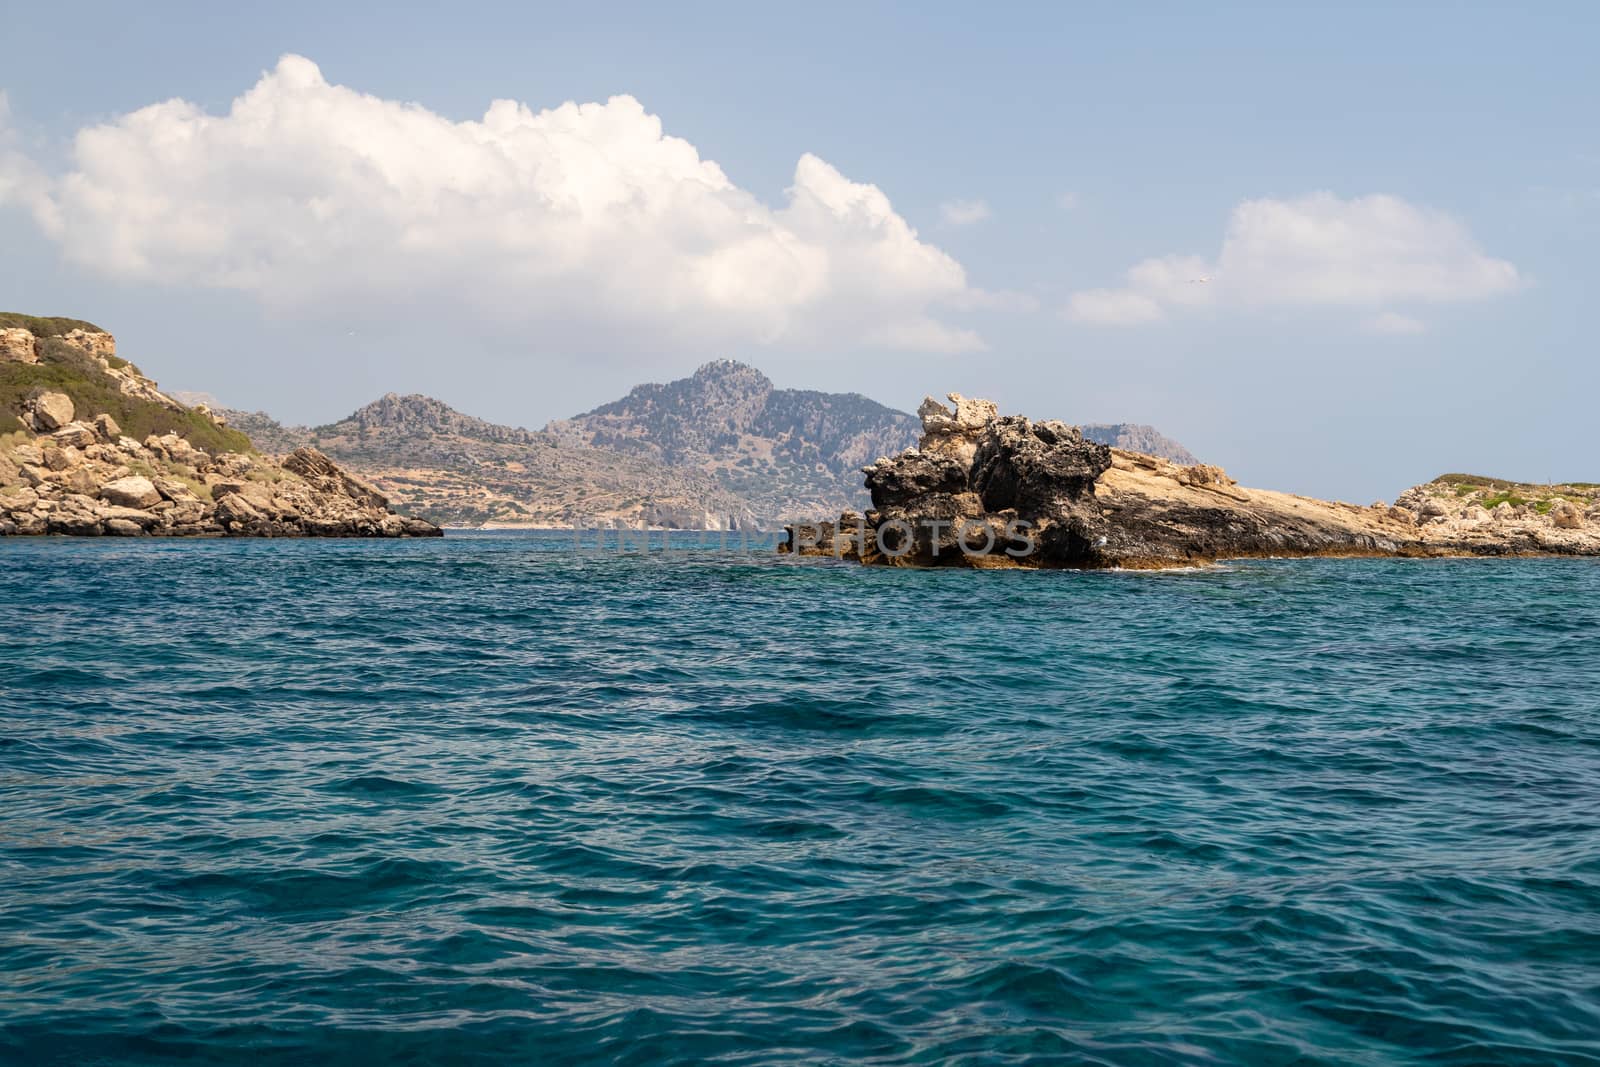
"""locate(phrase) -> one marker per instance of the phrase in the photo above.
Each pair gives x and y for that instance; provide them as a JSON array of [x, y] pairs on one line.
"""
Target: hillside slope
[[90, 447], [787, 451], [454, 468], [79, 360]]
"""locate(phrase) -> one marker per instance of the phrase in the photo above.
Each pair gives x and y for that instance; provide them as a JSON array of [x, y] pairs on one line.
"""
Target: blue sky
[[1424, 315]]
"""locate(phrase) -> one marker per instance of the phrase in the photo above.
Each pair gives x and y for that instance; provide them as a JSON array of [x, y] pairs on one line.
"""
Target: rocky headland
[[89, 446], [986, 490]]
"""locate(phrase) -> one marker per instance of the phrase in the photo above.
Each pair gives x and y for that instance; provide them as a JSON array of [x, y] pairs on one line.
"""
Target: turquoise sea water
[[493, 797]]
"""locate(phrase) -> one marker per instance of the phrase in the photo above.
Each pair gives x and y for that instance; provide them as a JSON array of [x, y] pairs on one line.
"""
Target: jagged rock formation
[[1011, 492], [66, 468]]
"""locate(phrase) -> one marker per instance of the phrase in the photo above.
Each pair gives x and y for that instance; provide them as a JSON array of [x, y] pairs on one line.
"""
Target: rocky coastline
[[68, 469], [986, 490]]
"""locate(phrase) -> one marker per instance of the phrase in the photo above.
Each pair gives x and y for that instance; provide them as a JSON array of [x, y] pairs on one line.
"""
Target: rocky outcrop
[[1013, 492], [18, 345], [97, 343], [85, 479]]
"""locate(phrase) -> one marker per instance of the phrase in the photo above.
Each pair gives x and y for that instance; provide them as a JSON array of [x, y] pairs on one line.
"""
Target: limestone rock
[[106, 427], [74, 435], [96, 343], [51, 411], [135, 491], [175, 491], [954, 433], [322, 472], [1201, 475], [18, 346], [1566, 516]]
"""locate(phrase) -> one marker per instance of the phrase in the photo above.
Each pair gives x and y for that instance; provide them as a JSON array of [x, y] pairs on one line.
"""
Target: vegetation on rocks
[[65, 367], [45, 326], [90, 447]]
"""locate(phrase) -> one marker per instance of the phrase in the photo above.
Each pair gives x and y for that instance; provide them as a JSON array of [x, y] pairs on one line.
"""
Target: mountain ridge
[[723, 448]]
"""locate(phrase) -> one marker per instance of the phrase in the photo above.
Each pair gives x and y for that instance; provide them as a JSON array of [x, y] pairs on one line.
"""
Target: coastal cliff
[[89, 446], [985, 490]]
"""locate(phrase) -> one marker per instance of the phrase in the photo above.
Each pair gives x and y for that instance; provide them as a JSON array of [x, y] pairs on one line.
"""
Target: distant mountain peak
[[416, 415], [719, 369], [1137, 437]]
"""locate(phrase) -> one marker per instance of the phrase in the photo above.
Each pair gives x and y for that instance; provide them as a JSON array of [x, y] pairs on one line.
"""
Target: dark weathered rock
[[913, 476], [1038, 494]]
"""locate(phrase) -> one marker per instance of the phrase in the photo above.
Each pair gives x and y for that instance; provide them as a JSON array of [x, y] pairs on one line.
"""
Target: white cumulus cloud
[[586, 216], [963, 212], [1315, 251]]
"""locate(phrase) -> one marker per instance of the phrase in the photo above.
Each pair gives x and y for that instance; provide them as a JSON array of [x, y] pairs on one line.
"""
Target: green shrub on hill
[[43, 326], [93, 393]]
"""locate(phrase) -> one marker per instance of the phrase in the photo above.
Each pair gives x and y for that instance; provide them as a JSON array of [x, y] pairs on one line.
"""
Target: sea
[[531, 797]]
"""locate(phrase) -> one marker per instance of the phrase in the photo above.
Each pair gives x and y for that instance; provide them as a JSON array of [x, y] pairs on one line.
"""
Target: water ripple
[[493, 798]]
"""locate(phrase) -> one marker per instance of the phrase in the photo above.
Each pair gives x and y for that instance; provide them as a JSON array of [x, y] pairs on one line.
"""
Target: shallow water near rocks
[[496, 796]]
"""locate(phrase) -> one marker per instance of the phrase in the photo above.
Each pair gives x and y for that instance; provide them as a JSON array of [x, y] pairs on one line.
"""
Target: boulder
[[18, 346], [81, 480], [1432, 510], [106, 428], [59, 459], [1206, 476], [116, 513], [74, 435], [1566, 516], [234, 508], [135, 491], [175, 491], [51, 411]]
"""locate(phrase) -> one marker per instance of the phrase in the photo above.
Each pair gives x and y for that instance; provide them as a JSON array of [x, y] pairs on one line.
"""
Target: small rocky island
[[89, 446], [986, 490]]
